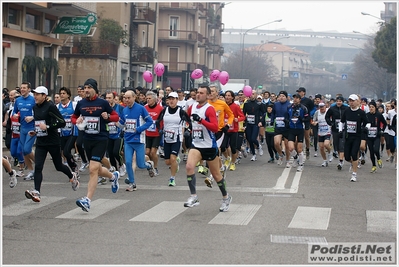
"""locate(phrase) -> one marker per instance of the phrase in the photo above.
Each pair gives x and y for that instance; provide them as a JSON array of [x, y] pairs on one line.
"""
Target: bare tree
[[367, 76], [258, 68]]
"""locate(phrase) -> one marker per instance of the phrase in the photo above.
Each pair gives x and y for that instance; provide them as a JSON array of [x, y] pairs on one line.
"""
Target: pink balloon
[[247, 90], [147, 75], [214, 75], [224, 77], [159, 69], [196, 74]]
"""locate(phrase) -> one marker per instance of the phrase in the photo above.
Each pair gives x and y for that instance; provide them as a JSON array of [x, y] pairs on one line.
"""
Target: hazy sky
[[341, 16]]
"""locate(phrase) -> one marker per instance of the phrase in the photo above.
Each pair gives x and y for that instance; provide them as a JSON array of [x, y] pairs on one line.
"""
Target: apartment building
[[182, 36], [30, 49]]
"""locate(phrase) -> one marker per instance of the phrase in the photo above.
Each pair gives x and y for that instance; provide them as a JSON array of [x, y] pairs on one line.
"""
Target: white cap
[[259, 97], [173, 94], [353, 97], [41, 90]]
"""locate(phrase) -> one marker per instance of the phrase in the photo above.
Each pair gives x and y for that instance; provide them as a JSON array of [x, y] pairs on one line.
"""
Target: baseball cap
[[259, 97], [173, 94], [296, 95], [353, 97], [41, 90], [322, 104], [301, 89]]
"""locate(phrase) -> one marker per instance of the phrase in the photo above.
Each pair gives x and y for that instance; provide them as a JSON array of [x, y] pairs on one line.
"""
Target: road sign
[[76, 25], [295, 74], [344, 76]]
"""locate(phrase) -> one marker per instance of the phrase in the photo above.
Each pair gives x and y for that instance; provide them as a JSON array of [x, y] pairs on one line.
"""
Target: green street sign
[[76, 25], [260, 86]]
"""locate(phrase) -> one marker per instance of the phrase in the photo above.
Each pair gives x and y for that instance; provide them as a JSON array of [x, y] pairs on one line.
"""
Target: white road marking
[[311, 218], [238, 214], [163, 212], [28, 205], [97, 208], [381, 221]]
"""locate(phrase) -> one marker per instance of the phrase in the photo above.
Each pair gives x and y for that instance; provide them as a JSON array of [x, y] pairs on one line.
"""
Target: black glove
[[225, 129], [187, 133], [196, 117], [341, 134], [160, 132]]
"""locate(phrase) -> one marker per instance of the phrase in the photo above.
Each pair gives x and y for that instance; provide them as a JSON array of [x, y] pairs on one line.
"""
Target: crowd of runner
[[110, 135]]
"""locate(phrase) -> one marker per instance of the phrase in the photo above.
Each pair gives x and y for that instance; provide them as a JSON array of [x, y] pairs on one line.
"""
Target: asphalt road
[[275, 213]]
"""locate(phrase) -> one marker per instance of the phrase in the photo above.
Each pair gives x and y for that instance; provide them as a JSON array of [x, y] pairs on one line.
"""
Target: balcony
[[189, 7], [143, 55], [183, 66], [89, 48], [179, 36], [144, 15]]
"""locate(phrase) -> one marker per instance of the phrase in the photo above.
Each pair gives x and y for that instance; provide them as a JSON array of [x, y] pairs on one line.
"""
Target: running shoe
[[359, 164], [15, 162], [172, 182], [253, 158], [288, 165], [150, 169], [83, 166], [335, 154], [339, 166], [115, 182], [295, 162], [232, 167], [101, 180], [225, 203], [156, 172], [315, 154], [30, 176], [277, 156], [245, 153], [307, 153], [192, 201], [185, 156], [122, 170], [13, 179], [33, 194], [373, 169], [325, 164], [20, 173], [353, 178], [75, 181], [260, 150], [391, 158], [227, 162], [379, 163], [131, 187], [76, 157], [280, 161], [362, 160], [300, 168], [209, 181], [204, 171], [84, 203], [330, 157], [271, 160]]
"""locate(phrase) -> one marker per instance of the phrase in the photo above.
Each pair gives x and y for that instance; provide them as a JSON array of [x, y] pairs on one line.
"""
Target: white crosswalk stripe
[[311, 218], [381, 221], [97, 207], [163, 212], [28, 205], [238, 214]]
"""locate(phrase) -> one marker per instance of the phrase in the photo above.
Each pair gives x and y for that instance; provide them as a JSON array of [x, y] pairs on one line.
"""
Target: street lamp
[[367, 14], [243, 43]]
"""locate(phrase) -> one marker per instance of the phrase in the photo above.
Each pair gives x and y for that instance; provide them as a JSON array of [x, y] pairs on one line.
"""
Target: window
[[32, 21], [173, 26], [173, 57], [47, 52], [13, 16], [48, 25]]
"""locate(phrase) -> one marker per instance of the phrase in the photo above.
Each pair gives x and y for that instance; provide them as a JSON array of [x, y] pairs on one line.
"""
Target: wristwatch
[[47, 126]]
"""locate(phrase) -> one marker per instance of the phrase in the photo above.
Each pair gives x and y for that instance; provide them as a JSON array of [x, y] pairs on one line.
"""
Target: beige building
[[30, 50]]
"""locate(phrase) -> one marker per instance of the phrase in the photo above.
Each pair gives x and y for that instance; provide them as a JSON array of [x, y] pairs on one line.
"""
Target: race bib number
[[170, 136], [351, 126], [68, 125], [113, 129], [198, 134], [92, 125], [15, 127], [337, 121], [40, 132], [131, 125], [372, 132], [152, 128], [280, 122], [251, 119], [294, 120], [323, 128], [268, 120]]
